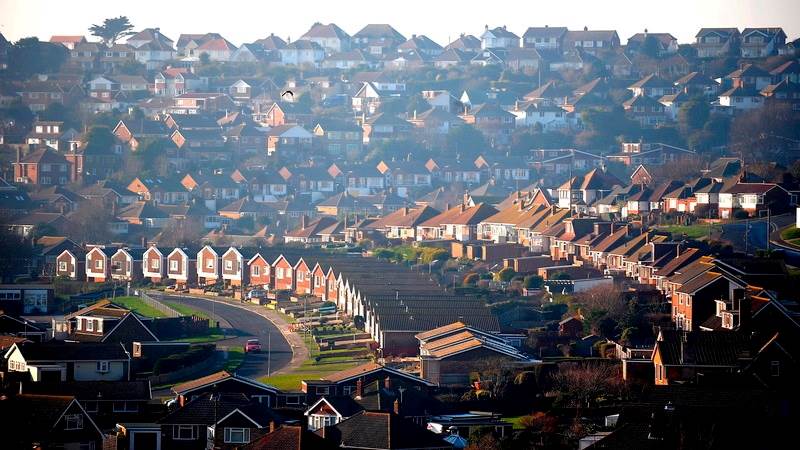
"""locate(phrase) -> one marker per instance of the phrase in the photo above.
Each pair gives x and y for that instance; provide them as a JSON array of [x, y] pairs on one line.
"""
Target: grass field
[[235, 358], [187, 310], [136, 305], [691, 231], [312, 368], [791, 234]]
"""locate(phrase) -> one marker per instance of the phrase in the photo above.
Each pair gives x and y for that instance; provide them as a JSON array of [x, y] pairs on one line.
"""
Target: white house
[[302, 52], [70, 361]]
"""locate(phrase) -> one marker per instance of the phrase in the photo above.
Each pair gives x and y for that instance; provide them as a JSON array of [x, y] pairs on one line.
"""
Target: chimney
[[387, 383], [359, 388], [463, 207], [415, 114], [303, 221], [397, 406], [271, 426], [742, 302], [405, 210], [486, 27], [447, 206]]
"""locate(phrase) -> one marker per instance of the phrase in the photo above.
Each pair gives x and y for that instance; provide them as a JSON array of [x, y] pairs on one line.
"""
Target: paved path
[[288, 351]]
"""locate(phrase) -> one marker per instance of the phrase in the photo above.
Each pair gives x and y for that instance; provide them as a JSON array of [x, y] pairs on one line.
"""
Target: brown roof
[[674, 264], [699, 282], [213, 378], [405, 217], [462, 215], [443, 329], [355, 371]]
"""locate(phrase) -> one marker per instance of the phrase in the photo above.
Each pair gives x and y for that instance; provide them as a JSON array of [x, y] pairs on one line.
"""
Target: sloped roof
[[702, 348], [461, 215], [330, 30]]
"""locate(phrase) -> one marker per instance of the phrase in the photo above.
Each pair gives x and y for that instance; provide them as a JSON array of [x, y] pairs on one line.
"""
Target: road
[[751, 235], [247, 325]]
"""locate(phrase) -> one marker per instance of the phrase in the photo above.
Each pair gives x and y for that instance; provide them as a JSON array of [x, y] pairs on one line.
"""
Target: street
[[751, 235], [247, 325]]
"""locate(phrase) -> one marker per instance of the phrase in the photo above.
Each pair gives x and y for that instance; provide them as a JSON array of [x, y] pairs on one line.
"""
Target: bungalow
[[741, 99], [224, 382], [652, 86], [98, 264], [302, 53], [105, 322], [686, 357], [182, 266], [459, 223], [70, 361], [48, 421], [347, 381], [126, 264]]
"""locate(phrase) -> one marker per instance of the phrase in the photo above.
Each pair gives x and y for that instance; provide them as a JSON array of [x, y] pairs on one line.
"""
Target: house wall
[[186, 271], [302, 274], [232, 269], [207, 266], [264, 276], [456, 369], [97, 266], [87, 371], [284, 276], [153, 266], [70, 270]]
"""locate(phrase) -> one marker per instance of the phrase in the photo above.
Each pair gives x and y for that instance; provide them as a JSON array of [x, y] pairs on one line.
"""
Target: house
[[135, 132], [200, 102], [754, 198], [209, 265], [235, 266], [747, 76], [26, 298], [106, 322], [293, 437], [338, 138], [650, 113], [315, 181], [71, 264], [168, 191], [310, 232], [761, 42], [154, 264], [282, 113], [543, 114], [261, 185], [378, 39], [592, 42], [148, 35], [126, 264], [405, 174], [716, 42], [217, 49], [448, 354], [288, 141], [498, 37], [544, 38], [454, 57], [224, 382], [302, 53], [402, 224], [466, 44], [70, 42], [221, 420], [652, 86], [69, 361], [697, 83], [172, 82], [691, 356], [346, 382], [420, 44], [454, 170], [283, 278], [382, 430], [98, 264], [49, 421], [385, 127], [42, 167], [458, 223], [495, 123], [582, 191], [328, 36], [662, 43], [182, 266]]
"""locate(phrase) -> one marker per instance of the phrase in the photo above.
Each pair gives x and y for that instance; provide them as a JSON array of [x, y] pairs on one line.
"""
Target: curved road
[[247, 325]]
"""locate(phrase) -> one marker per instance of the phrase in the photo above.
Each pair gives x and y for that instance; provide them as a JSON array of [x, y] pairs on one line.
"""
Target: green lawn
[[235, 358], [692, 231], [136, 305], [791, 234], [313, 369], [214, 334], [186, 310], [515, 421]]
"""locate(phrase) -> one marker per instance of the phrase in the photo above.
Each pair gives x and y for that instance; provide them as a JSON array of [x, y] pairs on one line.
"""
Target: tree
[[650, 46], [204, 58], [602, 299], [693, 115], [505, 274], [112, 30], [29, 56], [180, 233], [417, 104], [582, 384], [465, 140], [533, 282], [16, 254], [19, 113], [99, 139], [90, 224]]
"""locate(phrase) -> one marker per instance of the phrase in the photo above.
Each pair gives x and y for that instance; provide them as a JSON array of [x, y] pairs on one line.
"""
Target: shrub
[[561, 276], [505, 275], [194, 355], [740, 214], [793, 233], [533, 282], [471, 279]]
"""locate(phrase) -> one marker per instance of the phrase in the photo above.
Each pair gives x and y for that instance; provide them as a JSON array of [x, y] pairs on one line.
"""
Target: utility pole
[[769, 225], [269, 353]]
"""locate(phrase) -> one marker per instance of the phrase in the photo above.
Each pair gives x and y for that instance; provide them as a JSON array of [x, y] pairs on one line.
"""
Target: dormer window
[[73, 422]]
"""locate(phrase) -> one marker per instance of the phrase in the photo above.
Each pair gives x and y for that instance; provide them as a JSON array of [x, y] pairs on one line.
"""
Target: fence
[[150, 301]]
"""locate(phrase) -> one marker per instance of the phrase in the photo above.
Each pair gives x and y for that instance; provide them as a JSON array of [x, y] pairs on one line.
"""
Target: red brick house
[[43, 167], [182, 266], [98, 264], [71, 264], [284, 274], [319, 284], [126, 264], [260, 271], [302, 276], [208, 265], [332, 289], [154, 264], [235, 266]]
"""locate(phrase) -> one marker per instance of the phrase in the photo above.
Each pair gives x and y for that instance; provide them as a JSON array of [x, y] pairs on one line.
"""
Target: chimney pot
[[359, 388], [387, 383], [397, 406]]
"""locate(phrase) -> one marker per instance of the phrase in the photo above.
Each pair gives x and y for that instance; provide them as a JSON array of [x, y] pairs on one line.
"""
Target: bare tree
[[181, 232], [90, 223], [583, 383], [601, 298]]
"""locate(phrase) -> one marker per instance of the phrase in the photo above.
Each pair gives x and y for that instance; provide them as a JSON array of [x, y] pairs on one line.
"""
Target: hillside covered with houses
[[542, 238]]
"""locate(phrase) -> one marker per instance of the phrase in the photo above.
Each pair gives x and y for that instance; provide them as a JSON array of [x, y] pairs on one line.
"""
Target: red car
[[252, 345]]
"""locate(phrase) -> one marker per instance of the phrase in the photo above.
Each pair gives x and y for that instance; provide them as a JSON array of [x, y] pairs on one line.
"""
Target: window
[[98, 264], [102, 366], [300, 276], [279, 272], [347, 390], [62, 266], [184, 432], [126, 407], [323, 390], [90, 407], [292, 400], [228, 265], [210, 263], [775, 368], [237, 435], [73, 422], [90, 326]]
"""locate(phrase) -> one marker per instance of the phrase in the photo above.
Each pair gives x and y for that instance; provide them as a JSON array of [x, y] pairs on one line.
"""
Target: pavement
[[282, 350]]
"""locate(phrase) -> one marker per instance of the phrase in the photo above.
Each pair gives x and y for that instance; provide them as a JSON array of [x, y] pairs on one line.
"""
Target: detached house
[[591, 41], [378, 39], [328, 36], [495, 123], [42, 167], [544, 38], [498, 37], [581, 191], [754, 198], [459, 223], [716, 42], [761, 42], [70, 361]]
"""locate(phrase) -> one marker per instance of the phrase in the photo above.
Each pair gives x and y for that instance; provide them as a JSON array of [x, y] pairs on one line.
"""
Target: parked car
[[256, 294], [252, 345]]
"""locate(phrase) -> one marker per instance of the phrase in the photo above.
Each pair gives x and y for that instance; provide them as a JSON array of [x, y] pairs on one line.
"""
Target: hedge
[[195, 354]]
